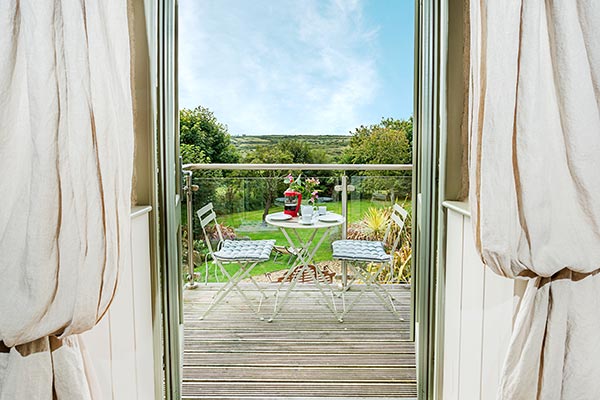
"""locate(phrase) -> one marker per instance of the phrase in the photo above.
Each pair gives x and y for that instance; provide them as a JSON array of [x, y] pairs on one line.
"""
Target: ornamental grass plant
[[373, 226]]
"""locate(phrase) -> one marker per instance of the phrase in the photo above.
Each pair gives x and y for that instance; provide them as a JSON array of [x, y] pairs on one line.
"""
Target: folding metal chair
[[246, 253], [292, 252], [359, 254]]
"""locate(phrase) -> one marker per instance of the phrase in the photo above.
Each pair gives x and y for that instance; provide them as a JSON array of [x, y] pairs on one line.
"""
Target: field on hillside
[[333, 145]]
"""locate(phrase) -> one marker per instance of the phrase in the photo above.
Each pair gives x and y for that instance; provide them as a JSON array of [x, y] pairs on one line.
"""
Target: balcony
[[305, 352]]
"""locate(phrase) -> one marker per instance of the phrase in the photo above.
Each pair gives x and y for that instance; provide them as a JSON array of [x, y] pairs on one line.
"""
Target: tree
[[199, 127], [203, 139], [287, 151], [301, 152], [271, 183], [405, 125], [389, 142], [384, 143], [192, 154]]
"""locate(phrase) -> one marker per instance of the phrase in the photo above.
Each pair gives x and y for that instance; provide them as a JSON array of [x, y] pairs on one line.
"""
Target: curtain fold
[[534, 123], [66, 156]]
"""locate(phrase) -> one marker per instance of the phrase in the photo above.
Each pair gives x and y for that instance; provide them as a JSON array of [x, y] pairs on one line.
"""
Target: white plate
[[329, 218], [280, 217]]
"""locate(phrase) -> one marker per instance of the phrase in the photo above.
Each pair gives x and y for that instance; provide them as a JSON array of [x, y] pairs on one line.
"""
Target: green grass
[[248, 224]]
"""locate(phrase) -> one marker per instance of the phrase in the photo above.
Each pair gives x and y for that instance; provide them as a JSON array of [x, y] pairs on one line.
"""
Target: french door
[[169, 178], [427, 117]]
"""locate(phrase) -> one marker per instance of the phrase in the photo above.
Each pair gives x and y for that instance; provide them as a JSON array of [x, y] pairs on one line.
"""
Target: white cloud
[[285, 67]]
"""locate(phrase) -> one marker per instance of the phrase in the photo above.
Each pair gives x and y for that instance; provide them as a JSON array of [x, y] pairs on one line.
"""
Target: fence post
[[344, 225], [344, 204], [189, 189]]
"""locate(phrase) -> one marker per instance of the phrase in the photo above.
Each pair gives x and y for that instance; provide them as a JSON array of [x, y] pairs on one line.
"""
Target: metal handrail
[[189, 188], [296, 167]]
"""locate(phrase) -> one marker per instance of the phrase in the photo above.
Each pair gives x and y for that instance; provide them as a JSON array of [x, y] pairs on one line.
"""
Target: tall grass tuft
[[373, 226]]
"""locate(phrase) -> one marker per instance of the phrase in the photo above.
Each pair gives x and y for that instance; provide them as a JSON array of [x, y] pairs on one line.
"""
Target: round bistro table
[[307, 249]]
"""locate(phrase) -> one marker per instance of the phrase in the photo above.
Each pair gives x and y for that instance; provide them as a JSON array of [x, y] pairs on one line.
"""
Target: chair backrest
[[207, 216], [398, 217]]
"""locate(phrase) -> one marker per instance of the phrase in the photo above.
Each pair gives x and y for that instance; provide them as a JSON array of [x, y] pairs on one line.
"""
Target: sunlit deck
[[303, 353]]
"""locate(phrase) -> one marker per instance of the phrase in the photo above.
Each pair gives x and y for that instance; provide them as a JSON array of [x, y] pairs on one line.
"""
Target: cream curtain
[[534, 125], [66, 158]]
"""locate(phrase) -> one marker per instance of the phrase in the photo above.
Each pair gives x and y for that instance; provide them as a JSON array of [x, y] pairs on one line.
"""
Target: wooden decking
[[304, 353]]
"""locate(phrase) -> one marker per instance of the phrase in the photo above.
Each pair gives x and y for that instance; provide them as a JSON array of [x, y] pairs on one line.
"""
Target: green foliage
[[192, 154], [199, 127], [302, 152], [405, 125], [389, 142], [271, 185], [269, 155], [376, 222], [306, 186], [247, 225], [324, 148], [287, 151], [203, 139], [200, 249], [373, 226]]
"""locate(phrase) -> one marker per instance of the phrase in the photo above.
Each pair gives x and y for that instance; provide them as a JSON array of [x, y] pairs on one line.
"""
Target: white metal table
[[307, 250]]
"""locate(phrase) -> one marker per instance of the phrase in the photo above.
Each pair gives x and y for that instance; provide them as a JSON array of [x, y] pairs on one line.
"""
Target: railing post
[[189, 190], [344, 225], [344, 205]]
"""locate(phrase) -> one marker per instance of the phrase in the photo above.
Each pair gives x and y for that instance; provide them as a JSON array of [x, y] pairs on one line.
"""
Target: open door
[[425, 181], [169, 178], [429, 23]]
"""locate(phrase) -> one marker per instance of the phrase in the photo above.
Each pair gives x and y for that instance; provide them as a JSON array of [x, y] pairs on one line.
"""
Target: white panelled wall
[[478, 314], [120, 347]]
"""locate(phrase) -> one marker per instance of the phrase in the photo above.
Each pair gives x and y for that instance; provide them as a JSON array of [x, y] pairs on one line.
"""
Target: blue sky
[[297, 66]]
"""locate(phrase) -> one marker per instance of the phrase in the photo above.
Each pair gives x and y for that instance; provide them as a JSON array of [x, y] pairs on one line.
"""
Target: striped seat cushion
[[360, 250], [245, 250]]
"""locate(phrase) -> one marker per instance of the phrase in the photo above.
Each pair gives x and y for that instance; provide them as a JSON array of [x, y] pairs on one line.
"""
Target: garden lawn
[[248, 224]]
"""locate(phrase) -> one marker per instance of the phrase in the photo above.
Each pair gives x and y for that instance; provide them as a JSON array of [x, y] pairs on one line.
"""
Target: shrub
[[373, 226]]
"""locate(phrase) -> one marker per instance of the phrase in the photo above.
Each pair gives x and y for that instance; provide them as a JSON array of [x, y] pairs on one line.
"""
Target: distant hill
[[333, 145]]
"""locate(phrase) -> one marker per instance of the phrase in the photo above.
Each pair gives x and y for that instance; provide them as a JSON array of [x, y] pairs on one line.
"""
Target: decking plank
[[298, 347], [367, 333], [304, 374], [266, 360], [199, 390]]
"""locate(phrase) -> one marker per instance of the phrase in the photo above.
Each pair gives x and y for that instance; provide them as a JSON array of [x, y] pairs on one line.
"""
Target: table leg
[[305, 257]]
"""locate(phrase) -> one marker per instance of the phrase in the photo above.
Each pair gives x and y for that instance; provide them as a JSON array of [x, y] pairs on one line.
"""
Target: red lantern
[[292, 202]]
